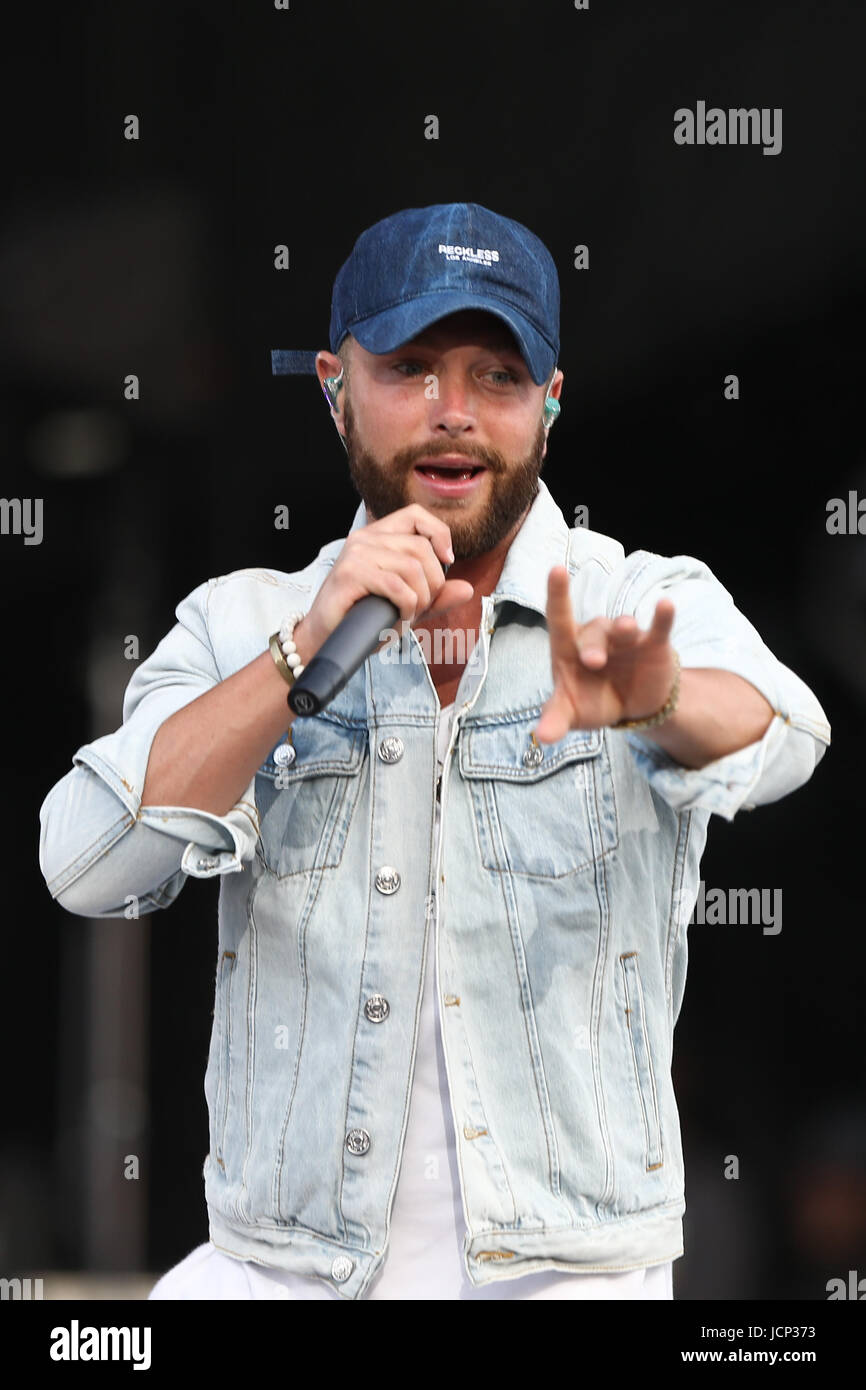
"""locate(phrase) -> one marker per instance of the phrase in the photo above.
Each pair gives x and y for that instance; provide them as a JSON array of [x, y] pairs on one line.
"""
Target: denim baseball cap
[[417, 266]]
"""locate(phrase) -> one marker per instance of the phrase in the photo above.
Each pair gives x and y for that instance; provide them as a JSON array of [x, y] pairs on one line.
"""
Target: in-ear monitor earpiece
[[331, 385], [550, 414]]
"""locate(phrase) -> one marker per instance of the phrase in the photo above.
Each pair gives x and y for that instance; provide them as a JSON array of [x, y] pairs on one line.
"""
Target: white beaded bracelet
[[287, 645]]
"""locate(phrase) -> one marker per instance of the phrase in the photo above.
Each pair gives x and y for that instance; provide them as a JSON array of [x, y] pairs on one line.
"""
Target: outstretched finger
[[560, 618], [663, 620]]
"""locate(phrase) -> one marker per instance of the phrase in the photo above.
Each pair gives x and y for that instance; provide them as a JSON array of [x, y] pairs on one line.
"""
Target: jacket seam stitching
[[67, 876]]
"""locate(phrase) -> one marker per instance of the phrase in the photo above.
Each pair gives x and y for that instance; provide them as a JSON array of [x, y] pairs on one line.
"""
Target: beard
[[384, 487]]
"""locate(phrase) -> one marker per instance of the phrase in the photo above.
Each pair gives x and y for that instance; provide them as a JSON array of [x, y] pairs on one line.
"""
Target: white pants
[[207, 1273]]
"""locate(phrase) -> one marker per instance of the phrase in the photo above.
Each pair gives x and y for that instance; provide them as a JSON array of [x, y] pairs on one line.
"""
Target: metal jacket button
[[391, 750], [377, 1008], [533, 755], [387, 879], [342, 1268], [357, 1141]]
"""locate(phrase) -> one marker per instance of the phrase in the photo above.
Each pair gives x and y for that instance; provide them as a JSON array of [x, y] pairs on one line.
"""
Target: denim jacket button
[[533, 755], [391, 750], [357, 1141], [387, 879], [207, 861], [342, 1268], [377, 1008]]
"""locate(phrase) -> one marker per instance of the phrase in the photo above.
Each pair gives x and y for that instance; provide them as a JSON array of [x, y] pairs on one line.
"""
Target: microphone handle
[[340, 656]]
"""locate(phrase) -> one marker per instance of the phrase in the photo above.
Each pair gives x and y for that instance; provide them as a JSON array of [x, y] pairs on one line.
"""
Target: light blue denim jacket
[[565, 880]]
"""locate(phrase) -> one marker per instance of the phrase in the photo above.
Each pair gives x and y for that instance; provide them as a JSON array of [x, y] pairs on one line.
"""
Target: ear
[[329, 365]]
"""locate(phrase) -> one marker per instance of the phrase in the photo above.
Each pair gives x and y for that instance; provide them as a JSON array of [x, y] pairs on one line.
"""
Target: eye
[[510, 377], [398, 366]]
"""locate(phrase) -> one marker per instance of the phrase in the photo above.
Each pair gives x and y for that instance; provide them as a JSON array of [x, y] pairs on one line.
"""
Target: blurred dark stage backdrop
[[156, 256]]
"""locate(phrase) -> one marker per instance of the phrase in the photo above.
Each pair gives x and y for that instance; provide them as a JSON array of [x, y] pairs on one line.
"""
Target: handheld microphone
[[341, 655]]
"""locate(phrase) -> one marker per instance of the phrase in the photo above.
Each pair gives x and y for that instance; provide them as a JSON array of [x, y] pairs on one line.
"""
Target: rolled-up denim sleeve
[[100, 851], [710, 632]]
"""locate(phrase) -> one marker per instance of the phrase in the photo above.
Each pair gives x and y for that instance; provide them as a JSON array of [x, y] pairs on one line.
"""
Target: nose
[[451, 409]]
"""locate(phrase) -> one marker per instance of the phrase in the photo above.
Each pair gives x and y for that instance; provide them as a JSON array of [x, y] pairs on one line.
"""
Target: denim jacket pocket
[[544, 810], [305, 806]]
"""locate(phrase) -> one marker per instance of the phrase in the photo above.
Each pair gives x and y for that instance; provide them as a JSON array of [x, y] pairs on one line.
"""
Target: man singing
[[453, 903]]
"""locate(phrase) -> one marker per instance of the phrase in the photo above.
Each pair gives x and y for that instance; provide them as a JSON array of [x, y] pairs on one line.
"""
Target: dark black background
[[303, 127]]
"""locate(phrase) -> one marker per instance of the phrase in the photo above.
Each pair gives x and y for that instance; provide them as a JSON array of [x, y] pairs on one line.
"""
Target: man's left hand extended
[[604, 670]]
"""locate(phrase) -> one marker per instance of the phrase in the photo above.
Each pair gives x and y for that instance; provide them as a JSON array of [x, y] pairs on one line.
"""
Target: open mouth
[[449, 472]]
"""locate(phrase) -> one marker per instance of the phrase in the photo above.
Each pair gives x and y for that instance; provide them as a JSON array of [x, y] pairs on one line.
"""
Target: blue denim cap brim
[[392, 328], [293, 362]]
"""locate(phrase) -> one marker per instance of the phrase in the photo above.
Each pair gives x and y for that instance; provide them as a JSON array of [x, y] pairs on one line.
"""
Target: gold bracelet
[[666, 710], [283, 666]]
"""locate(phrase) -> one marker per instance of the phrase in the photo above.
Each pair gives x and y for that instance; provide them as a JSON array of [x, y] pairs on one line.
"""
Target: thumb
[[454, 593], [555, 720]]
